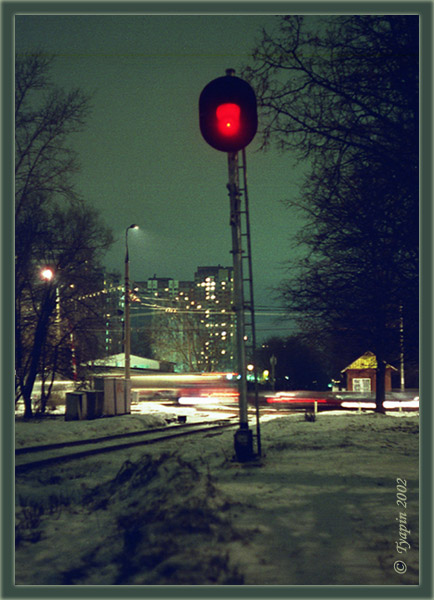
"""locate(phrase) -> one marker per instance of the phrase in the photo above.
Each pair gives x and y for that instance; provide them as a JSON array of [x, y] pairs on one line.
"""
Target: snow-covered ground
[[54, 429], [331, 502]]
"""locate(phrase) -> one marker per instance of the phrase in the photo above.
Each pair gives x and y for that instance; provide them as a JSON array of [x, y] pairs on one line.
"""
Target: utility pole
[[401, 348], [127, 332], [273, 362]]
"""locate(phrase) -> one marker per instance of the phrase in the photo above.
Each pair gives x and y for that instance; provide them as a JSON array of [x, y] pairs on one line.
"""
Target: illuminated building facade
[[214, 294], [114, 311], [189, 323], [172, 325]]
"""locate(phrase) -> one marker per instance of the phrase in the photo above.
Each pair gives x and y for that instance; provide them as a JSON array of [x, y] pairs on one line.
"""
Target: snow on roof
[[118, 360], [366, 361]]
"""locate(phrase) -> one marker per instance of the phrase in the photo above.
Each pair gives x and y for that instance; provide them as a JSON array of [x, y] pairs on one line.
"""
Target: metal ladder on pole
[[249, 312]]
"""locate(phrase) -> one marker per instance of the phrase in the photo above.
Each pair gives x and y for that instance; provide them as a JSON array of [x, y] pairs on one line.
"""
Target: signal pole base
[[243, 440]]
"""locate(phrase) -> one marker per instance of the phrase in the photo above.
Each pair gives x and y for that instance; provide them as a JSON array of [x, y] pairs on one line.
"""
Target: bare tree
[[54, 228], [183, 336], [44, 117], [178, 336], [341, 92]]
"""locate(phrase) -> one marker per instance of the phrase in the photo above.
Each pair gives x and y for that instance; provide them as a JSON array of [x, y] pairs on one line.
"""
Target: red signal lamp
[[227, 113], [228, 118]]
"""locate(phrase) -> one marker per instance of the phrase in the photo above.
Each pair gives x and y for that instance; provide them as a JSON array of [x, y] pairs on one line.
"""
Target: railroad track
[[49, 454]]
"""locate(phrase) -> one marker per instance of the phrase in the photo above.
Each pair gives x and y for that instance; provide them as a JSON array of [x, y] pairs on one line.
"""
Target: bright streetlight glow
[[47, 274]]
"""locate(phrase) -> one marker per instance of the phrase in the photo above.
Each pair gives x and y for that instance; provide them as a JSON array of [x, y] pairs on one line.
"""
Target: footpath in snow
[[331, 502]]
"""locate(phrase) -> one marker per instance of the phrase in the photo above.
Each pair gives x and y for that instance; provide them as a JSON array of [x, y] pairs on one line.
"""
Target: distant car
[[156, 395], [303, 400], [223, 394]]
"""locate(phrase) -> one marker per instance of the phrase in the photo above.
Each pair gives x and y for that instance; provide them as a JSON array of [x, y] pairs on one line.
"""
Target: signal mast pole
[[244, 436], [228, 121]]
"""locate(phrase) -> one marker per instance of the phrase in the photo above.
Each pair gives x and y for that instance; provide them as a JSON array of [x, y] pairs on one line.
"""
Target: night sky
[[143, 159]]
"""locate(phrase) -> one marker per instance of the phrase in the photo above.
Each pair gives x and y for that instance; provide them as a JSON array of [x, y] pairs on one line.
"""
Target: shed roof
[[366, 361], [118, 360]]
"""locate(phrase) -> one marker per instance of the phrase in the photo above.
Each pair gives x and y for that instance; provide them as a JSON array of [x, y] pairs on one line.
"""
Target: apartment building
[[214, 295], [189, 323]]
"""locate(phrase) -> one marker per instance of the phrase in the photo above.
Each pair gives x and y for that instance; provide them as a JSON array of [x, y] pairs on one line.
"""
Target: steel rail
[[186, 430], [106, 438]]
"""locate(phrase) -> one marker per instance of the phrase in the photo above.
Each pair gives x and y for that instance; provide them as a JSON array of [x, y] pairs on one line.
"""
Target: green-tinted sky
[[142, 155]]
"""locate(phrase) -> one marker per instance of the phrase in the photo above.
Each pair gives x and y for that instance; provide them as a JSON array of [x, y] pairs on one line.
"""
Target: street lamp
[[127, 347], [47, 274]]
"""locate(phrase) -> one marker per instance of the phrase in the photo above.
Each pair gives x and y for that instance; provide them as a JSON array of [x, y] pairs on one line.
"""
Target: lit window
[[362, 385]]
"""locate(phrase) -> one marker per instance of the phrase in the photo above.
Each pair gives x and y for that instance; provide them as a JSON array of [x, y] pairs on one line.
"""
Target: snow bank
[[52, 430], [319, 508]]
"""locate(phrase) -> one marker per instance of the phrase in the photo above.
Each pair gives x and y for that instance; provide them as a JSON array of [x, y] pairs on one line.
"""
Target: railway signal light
[[228, 117]]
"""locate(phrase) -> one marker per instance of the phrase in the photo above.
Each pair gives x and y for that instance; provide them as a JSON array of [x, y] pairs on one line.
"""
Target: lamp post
[[47, 274], [127, 337], [273, 363]]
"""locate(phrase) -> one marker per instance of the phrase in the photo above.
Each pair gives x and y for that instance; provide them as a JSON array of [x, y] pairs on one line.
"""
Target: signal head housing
[[228, 117]]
